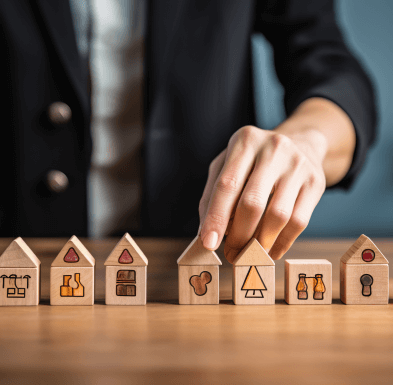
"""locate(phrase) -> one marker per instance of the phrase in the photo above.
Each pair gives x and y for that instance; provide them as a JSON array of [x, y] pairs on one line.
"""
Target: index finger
[[226, 191]]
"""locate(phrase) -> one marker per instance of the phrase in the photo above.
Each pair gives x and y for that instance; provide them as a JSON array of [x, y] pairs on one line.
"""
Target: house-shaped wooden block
[[253, 280], [308, 282], [72, 275], [20, 275], [364, 274], [126, 274], [198, 275]]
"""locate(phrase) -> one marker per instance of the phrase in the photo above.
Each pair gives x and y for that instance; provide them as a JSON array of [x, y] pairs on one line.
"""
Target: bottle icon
[[79, 291], [302, 287], [68, 291], [319, 287]]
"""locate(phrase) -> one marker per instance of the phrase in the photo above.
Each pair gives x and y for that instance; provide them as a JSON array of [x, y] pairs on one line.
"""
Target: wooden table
[[165, 343]]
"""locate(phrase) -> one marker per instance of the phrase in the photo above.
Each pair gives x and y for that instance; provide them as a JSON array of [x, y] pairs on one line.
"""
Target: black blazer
[[198, 93]]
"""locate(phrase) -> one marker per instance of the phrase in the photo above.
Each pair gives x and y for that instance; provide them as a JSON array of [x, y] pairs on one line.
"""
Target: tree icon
[[253, 284]]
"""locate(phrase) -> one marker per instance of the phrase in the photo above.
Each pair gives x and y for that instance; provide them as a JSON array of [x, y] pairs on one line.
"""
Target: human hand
[[264, 185]]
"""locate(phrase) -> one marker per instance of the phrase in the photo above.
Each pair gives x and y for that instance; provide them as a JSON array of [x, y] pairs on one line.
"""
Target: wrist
[[309, 140], [324, 132]]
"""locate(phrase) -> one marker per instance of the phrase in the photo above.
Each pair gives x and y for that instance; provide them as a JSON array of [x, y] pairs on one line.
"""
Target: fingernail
[[210, 240]]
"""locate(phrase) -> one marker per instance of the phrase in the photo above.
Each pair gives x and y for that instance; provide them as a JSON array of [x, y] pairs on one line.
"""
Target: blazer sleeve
[[312, 60]]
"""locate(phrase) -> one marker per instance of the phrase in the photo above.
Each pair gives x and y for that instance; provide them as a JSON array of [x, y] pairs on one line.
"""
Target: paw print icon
[[200, 282]]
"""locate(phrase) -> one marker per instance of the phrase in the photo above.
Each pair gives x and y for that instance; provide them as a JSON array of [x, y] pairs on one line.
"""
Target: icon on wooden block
[[253, 280], [366, 280], [253, 284], [316, 283], [198, 275], [126, 283], [302, 288], [68, 291], [200, 282], [72, 275], [126, 274], [308, 281], [71, 256], [16, 286], [364, 274], [125, 257], [20, 275]]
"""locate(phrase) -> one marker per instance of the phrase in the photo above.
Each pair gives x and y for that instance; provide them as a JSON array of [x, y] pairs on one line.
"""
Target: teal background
[[368, 207]]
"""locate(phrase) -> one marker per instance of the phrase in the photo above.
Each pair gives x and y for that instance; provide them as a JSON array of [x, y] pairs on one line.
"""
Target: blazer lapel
[[58, 20]]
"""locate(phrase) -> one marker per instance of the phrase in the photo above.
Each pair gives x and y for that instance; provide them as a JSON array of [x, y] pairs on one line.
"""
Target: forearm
[[323, 128]]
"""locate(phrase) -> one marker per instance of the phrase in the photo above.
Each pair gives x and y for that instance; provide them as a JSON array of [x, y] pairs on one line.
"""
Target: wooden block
[[126, 252], [253, 280], [362, 251], [125, 285], [254, 285], [74, 253], [308, 282], [364, 285], [196, 255], [364, 274], [20, 275], [126, 274], [19, 286], [199, 285], [72, 275], [72, 286], [198, 275]]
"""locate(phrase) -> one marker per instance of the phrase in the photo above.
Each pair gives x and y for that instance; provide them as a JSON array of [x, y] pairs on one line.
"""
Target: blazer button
[[57, 181], [59, 113]]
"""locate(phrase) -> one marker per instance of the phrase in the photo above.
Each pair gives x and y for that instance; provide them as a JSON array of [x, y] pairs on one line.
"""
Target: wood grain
[[85, 259], [26, 279], [309, 268], [57, 280], [18, 254], [111, 297], [253, 255], [354, 253], [192, 282], [127, 243], [266, 273], [351, 287], [195, 254], [164, 343]]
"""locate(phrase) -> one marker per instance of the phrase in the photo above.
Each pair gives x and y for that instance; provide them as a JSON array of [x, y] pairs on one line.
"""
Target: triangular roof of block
[[126, 252], [76, 253], [253, 254], [354, 253], [18, 254], [196, 255]]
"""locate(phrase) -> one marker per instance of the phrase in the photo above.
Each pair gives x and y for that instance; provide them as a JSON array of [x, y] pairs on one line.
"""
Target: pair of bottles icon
[[317, 283], [68, 291]]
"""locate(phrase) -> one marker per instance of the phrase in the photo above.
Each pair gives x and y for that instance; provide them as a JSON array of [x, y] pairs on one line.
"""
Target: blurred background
[[368, 207]]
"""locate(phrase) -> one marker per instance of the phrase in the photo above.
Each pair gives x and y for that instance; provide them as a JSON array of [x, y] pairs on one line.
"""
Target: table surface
[[164, 342]]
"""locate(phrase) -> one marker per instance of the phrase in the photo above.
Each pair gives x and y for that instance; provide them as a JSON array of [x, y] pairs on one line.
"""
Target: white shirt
[[116, 65]]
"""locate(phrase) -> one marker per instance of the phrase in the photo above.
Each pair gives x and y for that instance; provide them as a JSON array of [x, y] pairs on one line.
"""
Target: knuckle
[[248, 135], [216, 219], [298, 161], [280, 142], [317, 180], [280, 215], [227, 184], [299, 223], [252, 202]]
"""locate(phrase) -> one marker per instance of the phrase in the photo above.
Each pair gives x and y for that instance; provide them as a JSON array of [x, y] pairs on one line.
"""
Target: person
[[198, 121]]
